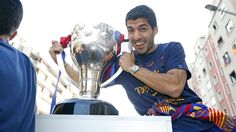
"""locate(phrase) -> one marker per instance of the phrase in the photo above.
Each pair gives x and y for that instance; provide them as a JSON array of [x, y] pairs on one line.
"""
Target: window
[[213, 101], [226, 58], [227, 88], [199, 79], [225, 110], [219, 96], [208, 84], [215, 26], [234, 49], [200, 60], [229, 26], [206, 51], [204, 71], [220, 42], [233, 77], [222, 13], [210, 64], [215, 79]]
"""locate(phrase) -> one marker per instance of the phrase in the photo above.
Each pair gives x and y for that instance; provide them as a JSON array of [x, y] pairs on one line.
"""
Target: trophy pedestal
[[85, 107]]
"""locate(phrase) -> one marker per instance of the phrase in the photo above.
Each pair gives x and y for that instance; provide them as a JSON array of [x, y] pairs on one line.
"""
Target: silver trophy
[[91, 48]]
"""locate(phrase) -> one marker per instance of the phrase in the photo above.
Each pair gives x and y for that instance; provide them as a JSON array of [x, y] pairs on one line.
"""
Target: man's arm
[[55, 49], [171, 83], [72, 73]]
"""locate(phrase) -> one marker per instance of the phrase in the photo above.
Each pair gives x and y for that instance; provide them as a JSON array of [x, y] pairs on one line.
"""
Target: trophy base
[[85, 107]]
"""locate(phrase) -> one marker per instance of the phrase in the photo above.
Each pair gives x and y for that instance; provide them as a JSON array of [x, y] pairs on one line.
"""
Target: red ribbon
[[64, 41]]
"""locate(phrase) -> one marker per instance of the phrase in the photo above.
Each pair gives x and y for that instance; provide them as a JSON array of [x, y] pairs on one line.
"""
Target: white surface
[[92, 123]]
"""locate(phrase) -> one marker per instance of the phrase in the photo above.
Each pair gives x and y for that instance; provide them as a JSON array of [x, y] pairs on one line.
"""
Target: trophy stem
[[89, 86]]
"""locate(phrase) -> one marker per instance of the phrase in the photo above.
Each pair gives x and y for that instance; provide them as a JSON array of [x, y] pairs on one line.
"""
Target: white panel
[[97, 123]]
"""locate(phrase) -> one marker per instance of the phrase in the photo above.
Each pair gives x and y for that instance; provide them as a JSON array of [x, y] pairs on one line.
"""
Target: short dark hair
[[142, 11], [11, 13]]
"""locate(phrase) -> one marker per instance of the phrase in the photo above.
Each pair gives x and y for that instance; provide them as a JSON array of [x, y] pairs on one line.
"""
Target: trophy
[[92, 50]]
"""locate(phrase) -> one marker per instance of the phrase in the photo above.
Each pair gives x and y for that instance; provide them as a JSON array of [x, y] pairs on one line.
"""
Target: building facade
[[202, 68], [223, 33], [219, 52]]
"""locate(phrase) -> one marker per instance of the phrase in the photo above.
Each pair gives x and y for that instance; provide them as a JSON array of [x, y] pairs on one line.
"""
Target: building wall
[[222, 29], [233, 4], [219, 79], [201, 71], [220, 57], [208, 79]]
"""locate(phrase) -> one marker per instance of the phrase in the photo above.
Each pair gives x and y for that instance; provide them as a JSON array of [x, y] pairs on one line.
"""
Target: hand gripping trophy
[[92, 50]]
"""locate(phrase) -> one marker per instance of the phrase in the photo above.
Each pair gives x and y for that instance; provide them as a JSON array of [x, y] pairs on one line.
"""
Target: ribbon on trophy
[[64, 41]]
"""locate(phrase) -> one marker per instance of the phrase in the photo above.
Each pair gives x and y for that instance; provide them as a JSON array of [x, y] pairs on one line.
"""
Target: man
[[155, 78], [17, 75], [162, 75]]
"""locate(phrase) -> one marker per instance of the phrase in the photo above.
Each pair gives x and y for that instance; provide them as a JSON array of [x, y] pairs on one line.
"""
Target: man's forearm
[[171, 83], [72, 73]]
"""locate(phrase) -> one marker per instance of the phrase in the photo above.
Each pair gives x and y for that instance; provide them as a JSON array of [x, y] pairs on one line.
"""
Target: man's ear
[[155, 30], [13, 35]]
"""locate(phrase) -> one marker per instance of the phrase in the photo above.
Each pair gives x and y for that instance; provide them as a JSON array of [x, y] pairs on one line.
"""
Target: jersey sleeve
[[176, 58]]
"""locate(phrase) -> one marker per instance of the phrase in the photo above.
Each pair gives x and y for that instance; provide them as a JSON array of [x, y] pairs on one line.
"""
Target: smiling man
[[156, 75]]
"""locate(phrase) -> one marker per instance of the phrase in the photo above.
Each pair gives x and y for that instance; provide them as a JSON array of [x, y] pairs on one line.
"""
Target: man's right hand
[[55, 49]]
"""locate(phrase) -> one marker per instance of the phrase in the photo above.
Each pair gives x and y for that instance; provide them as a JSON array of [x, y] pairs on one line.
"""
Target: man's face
[[141, 35]]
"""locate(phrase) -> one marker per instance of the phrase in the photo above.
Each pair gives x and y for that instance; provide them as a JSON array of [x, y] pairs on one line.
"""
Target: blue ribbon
[[54, 97]]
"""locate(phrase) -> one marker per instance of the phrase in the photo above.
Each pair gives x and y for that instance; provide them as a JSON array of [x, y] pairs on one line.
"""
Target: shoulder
[[174, 44], [170, 46], [11, 54], [26, 59], [7, 52], [22, 56]]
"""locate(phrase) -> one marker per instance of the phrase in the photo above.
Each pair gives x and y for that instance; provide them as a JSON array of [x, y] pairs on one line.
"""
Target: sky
[[178, 20]]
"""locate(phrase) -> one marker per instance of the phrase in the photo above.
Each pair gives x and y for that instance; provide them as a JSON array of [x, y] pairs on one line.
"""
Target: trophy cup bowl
[[91, 47]]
